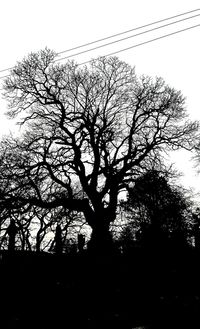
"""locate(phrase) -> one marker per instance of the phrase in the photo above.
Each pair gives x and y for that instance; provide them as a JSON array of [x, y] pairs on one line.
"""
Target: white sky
[[28, 26]]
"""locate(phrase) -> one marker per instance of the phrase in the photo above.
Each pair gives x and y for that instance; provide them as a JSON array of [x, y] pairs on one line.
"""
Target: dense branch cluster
[[89, 132]]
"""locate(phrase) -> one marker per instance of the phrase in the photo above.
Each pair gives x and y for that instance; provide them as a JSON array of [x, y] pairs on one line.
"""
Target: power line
[[127, 31], [134, 46], [139, 44], [123, 39], [9, 68], [115, 35], [5, 76], [146, 42]]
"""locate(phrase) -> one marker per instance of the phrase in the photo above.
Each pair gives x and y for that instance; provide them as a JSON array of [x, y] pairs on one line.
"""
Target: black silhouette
[[161, 210], [12, 230], [89, 134], [196, 228], [58, 240], [81, 242]]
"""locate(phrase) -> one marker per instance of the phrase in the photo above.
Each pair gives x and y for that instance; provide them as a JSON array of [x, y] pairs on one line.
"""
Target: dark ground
[[142, 288]]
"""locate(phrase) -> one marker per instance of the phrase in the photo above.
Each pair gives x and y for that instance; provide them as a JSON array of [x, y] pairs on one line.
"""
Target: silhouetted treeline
[[88, 134]]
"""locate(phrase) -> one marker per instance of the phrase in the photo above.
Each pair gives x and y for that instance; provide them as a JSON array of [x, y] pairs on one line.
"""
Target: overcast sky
[[27, 26]]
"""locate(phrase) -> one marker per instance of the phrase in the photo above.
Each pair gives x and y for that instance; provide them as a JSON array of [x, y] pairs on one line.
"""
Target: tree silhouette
[[12, 230], [162, 209], [58, 240], [81, 242], [88, 132], [196, 227]]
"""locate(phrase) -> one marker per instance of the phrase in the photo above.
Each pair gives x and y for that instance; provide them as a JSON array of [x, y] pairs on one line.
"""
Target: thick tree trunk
[[101, 241], [58, 240], [12, 231]]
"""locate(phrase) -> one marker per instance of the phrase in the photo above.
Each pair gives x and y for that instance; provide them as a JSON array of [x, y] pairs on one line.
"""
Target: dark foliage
[[160, 213]]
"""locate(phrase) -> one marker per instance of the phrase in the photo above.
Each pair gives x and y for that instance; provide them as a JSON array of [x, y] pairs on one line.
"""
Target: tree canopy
[[161, 210], [88, 132]]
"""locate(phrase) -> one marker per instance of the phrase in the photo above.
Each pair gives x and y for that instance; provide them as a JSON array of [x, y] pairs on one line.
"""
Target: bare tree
[[88, 132]]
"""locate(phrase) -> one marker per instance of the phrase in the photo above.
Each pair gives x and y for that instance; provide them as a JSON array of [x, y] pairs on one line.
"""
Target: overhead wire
[[123, 39], [128, 31], [117, 34], [145, 42], [136, 45], [130, 47]]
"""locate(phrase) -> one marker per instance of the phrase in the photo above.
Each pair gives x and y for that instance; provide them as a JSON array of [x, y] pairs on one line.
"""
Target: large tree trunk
[[12, 231], [58, 240], [101, 242]]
